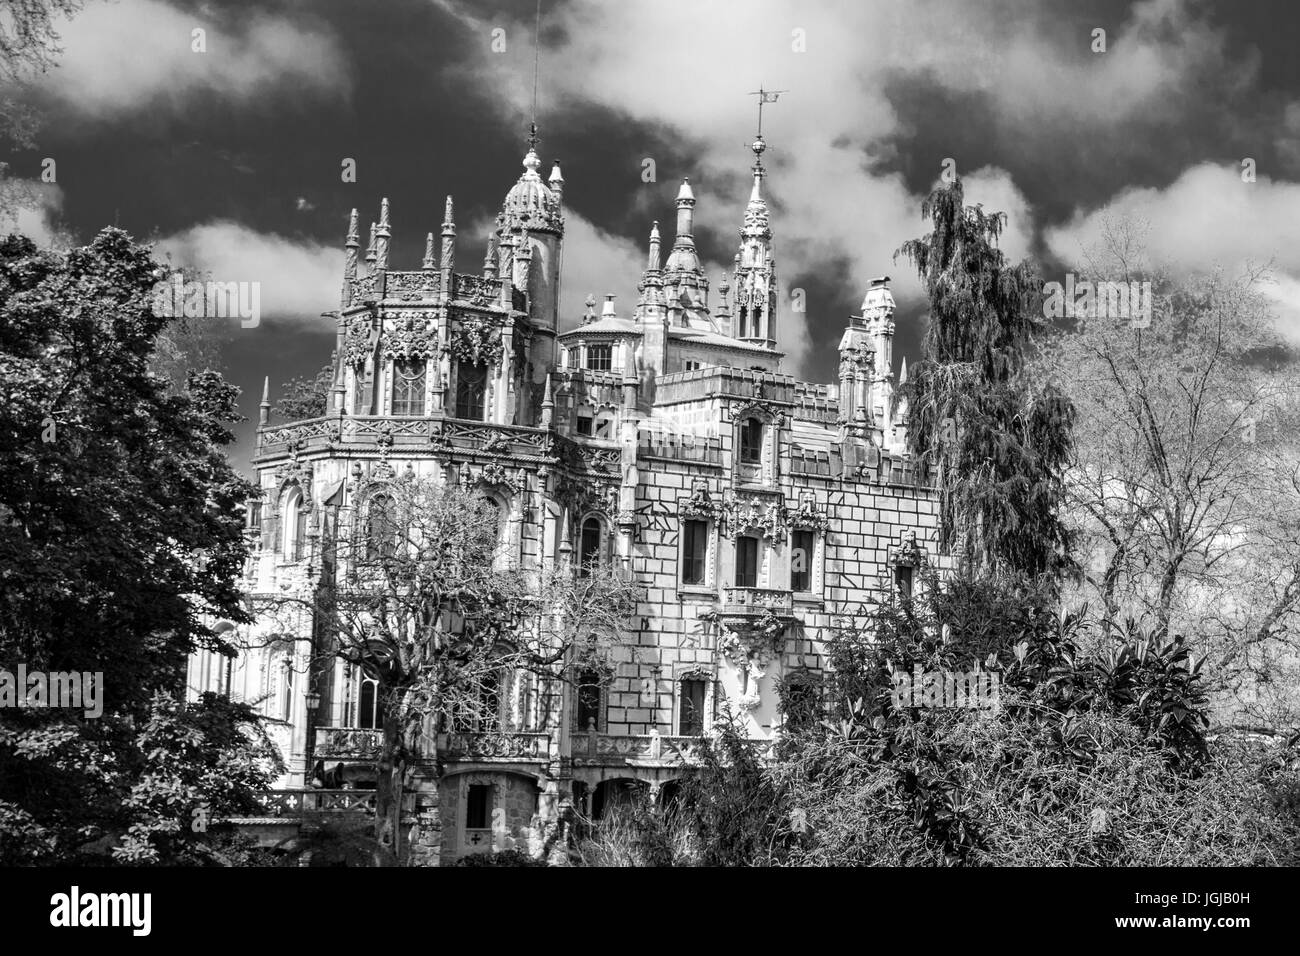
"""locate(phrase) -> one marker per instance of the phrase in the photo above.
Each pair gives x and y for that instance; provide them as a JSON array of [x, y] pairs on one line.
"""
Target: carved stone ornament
[[755, 514], [495, 475], [808, 516], [410, 342], [699, 504], [359, 343], [477, 342]]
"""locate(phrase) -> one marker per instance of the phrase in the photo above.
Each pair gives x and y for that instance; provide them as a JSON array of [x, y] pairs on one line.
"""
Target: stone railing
[[489, 747], [318, 433], [348, 743], [296, 803], [598, 747], [757, 601], [719, 380]]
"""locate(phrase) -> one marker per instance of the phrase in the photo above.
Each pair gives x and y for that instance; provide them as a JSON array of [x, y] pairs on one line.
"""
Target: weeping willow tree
[[998, 442]]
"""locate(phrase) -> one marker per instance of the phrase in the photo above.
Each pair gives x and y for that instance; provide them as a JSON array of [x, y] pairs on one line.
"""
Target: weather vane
[[765, 96]]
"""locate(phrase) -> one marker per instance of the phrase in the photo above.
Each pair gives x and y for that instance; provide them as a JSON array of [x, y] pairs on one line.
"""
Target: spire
[[383, 234], [685, 212], [370, 249], [902, 373], [428, 262], [448, 237], [264, 410], [350, 247], [652, 264], [548, 403], [556, 181], [490, 258]]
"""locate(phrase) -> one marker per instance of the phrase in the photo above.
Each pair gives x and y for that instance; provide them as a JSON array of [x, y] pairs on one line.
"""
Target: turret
[[382, 236]]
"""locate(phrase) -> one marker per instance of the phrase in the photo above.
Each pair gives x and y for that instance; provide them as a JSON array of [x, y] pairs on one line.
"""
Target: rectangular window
[[471, 391], [255, 516], [751, 441], [903, 581], [478, 810], [802, 548], [695, 551], [690, 715], [600, 358], [408, 388], [691, 366], [583, 423], [746, 562], [588, 701]]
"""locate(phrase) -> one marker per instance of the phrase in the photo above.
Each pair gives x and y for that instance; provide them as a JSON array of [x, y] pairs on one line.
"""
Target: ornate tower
[[754, 286], [531, 234]]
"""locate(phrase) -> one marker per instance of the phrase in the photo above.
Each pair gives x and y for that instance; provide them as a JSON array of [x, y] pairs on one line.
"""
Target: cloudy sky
[[230, 159]]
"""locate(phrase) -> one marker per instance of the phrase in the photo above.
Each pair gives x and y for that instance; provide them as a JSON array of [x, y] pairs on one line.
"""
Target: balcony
[[504, 747], [348, 743], [757, 602], [605, 749]]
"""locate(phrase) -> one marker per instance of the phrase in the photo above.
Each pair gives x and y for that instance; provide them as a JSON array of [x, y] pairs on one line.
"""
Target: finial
[[447, 219], [352, 229], [383, 215], [428, 253], [685, 192], [370, 249], [652, 264], [532, 137], [556, 175], [902, 372], [264, 410], [590, 314], [548, 400]]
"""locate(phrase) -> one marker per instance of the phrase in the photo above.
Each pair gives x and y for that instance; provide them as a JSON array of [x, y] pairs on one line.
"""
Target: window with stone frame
[[590, 546], [478, 806], [587, 696], [903, 581], [471, 391], [408, 388], [751, 441], [695, 551], [582, 421], [600, 358], [381, 527], [691, 695], [803, 550], [359, 404], [748, 559]]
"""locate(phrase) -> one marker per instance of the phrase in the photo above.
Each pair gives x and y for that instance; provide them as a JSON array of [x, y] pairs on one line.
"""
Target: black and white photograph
[[807, 435]]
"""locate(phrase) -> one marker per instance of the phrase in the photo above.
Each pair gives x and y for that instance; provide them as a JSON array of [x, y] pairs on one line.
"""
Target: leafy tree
[[121, 532], [306, 397], [1185, 482], [998, 442], [417, 595]]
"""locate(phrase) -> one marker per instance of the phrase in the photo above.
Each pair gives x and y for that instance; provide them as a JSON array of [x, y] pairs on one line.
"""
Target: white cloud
[[1205, 219], [32, 209], [298, 279], [137, 54]]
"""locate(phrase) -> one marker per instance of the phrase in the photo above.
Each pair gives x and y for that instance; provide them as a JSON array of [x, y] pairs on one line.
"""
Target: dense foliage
[[121, 541]]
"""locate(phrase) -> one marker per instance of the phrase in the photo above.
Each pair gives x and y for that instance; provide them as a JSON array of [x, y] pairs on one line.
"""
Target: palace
[[667, 440]]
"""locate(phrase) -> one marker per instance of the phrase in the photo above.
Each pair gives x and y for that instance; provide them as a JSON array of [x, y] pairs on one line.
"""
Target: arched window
[[588, 701], [368, 704], [471, 391], [293, 517], [751, 441], [589, 546], [408, 388], [744, 322], [381, 527], [286, 688]]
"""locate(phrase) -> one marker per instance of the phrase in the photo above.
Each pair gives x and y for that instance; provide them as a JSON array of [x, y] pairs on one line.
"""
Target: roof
[[603, 326], [699, 337]]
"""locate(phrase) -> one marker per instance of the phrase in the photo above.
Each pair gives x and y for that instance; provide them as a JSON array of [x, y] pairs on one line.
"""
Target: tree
[[1185, 481], [121, 532], [999, 442], [416, 593], [306, 397]]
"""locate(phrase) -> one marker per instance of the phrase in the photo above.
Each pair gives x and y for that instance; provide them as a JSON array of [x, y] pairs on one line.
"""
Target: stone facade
[[757, 511]]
